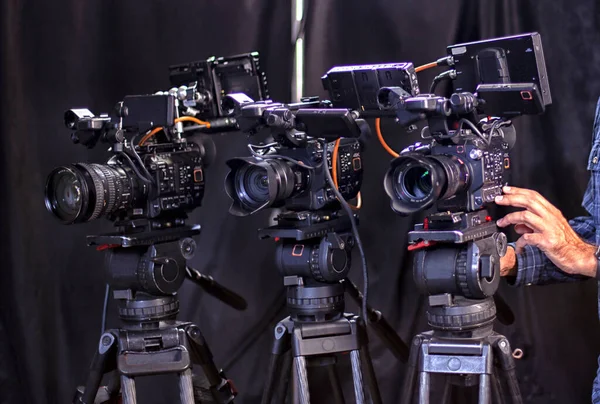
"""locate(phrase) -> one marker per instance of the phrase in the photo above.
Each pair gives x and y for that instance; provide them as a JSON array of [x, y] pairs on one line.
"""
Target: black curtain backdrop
[[61, 54]]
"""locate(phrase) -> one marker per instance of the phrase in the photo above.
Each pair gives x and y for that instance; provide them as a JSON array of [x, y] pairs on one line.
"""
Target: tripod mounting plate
[[457, 236], [144, 238], [303, 226]]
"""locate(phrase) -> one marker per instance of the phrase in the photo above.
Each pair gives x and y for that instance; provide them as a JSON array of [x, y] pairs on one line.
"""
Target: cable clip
[[107, 246], [421, 244]]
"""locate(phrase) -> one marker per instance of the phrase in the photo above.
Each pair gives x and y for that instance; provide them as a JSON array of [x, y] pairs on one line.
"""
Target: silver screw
[[475, 154]]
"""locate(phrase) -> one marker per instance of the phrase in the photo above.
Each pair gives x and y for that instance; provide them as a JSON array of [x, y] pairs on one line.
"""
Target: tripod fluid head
[[458, 265], [313, 255], [146, 264]]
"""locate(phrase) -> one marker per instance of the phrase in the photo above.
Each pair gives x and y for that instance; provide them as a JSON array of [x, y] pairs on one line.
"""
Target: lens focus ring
[[109, 182], [99, 190]]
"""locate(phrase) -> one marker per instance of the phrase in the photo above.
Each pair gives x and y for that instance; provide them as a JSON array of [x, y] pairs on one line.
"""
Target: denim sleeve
[[534, 268]]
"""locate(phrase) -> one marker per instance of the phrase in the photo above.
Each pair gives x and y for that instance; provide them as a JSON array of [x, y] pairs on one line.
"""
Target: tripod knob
[[324, 260]]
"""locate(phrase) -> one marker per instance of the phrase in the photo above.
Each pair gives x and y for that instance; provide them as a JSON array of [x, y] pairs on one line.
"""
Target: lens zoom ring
[[99, 190], [461, 273], [110, 180]]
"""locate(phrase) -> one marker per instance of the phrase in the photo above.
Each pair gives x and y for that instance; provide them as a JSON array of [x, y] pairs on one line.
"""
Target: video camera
[[462, 166], [160, 148], [289, 171]]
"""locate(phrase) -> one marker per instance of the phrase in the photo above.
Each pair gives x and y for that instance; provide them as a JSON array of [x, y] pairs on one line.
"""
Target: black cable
[[279, 156], [105, 308], [139, 159], [474, 128], [433, 85], [447, 75], [348, 210], [134, 168]]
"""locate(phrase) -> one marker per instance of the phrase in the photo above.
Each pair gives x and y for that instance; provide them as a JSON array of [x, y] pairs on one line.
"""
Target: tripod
[[145, 272], [462, 345], [314, 258]]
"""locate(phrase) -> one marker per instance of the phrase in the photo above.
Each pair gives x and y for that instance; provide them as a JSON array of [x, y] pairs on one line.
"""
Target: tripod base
[[488, 357], [315, 344], [174, 347]]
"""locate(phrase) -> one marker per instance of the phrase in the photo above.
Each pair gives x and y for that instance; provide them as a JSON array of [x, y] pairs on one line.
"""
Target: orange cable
[[149, 135], [182, 119], [192, 119], [334, 158], [425, 67], [381, 140]]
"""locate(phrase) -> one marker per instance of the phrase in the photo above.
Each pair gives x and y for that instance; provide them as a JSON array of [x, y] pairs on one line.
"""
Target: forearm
[[532, 267]]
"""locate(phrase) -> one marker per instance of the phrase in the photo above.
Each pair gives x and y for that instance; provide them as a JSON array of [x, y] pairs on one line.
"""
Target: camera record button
[[198, 175]]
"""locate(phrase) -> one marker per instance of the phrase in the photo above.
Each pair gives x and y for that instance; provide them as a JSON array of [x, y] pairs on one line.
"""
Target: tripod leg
[[270, 384], [424, 380], [497, 390], [284, 381], [300, 368], [128, 389], [186, 388], [370, 375], [281, 343], [106, 347], [411, 372], [485, 389], [295, 390], [221, 389], [359, 388], [507, 364], [447, 394]]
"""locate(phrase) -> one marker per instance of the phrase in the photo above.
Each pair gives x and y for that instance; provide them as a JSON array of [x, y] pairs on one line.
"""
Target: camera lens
[[252, 186], [257, 184], [84, 192], [414, 181], [64, 194]]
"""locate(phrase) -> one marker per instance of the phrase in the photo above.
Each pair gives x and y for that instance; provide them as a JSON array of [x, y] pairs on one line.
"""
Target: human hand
[[508, 263], [542, 225]]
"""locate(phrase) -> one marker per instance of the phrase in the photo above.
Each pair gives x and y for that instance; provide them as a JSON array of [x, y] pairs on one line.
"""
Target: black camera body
[[462, 168], [117, 192], [463, 176], [156, 183], [160, 147], [289, 172], [302, 181]]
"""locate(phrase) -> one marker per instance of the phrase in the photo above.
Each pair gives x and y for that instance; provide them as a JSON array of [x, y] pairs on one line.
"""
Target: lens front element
[[64, 194]]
